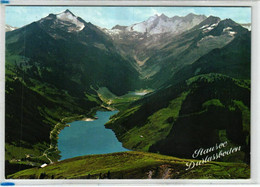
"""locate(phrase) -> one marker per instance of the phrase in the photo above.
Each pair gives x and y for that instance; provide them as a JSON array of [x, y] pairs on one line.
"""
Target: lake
[[89, 137]]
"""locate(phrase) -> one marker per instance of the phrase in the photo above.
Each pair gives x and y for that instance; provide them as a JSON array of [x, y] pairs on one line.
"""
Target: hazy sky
[[110, 16]]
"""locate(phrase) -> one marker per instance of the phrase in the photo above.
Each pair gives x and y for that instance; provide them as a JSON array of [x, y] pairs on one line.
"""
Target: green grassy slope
[[195, 113], [133, 165]]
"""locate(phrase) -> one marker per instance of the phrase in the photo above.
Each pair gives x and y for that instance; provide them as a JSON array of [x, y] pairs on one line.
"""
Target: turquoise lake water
[[89, 137]]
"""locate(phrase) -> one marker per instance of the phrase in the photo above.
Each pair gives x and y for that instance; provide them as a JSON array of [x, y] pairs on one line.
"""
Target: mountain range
[[197, 36], [198, 68], [160, 24]]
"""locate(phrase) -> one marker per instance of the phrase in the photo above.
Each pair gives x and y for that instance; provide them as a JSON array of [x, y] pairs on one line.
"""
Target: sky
[[107, 17]]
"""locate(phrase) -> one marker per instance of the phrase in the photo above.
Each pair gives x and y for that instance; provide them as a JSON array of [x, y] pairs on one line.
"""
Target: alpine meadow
[[164, 98]]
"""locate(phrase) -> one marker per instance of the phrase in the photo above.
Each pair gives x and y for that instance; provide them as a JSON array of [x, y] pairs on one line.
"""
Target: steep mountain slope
[[232, 60], [211, 112], [77, 55], [54, 68]]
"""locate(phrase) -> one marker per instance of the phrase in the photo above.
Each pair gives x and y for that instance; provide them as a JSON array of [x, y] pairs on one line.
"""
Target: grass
[[124, 114], [16, 153], [92, 97], [19, 156], [157, 127], [133, 165]]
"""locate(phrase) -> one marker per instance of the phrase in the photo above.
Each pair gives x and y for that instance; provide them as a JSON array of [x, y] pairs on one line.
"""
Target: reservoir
[[89, 137]]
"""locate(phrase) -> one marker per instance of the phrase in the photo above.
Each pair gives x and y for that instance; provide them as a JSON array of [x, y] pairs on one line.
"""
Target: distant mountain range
[[198, 67], [189, 37], [160, 24]]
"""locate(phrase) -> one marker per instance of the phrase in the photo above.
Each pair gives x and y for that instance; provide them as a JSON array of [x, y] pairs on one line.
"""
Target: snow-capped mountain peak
[[68, 16], [163, 16], [159, 24], [152, 18]]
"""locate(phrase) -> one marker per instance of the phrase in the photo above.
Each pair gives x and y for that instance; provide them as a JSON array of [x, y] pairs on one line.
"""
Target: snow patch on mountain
[[207, 29], [246, 25], [204, 26], [9, 28], [215, 24], [229, 31], [143, 26], [164, 26], [152, 18], [232, 33], [205, 38], [112, 31], [139, 27]]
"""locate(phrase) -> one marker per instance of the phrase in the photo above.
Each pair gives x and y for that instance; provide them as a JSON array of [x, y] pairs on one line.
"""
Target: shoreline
[[54, 133]]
